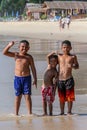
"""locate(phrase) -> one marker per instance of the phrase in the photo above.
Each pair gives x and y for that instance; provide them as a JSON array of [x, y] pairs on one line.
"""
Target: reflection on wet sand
[[47, 123]]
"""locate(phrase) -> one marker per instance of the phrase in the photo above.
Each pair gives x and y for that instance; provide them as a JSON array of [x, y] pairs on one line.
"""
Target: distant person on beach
[[66, 62], [24, 62], [67, 21], [61, 23], [49, 85]]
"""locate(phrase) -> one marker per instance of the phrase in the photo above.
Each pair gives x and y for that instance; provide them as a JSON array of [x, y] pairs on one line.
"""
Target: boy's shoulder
[[50, 69], [29, 55], [73, 55], [60, 54], [17, 54]]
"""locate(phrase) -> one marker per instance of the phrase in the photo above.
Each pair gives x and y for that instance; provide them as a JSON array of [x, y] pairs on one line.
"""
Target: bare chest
[[66, 60], [22, 61]]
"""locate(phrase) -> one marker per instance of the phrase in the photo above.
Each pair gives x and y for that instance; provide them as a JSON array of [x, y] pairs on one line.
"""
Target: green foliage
[[9, 6], [12, 5], [43, 16], [37, 1]]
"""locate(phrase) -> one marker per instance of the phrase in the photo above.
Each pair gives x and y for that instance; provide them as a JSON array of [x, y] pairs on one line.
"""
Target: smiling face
[[53, 62], [23, 48], [66, 48]]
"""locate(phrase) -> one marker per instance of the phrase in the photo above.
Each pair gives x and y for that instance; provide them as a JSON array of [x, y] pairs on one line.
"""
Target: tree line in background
[[15, 8], [11, 7]]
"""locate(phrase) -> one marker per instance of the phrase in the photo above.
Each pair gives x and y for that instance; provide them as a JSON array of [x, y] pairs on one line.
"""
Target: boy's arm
[[75, 64], [33, 69], [56, 77], [55, 81], [6, 50], [52, 53]]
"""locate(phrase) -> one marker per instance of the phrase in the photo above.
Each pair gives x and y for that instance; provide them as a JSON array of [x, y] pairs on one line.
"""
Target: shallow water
[[39, 48], [59, 123]]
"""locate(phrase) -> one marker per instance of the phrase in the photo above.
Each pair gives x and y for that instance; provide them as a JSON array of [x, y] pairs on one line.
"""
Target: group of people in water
[[57, 77]]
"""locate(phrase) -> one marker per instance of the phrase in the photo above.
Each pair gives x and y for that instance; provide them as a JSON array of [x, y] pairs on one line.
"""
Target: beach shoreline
[[45, 30], [78, 121]]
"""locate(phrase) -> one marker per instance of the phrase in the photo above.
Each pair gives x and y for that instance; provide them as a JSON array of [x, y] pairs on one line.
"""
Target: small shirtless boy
[[66, 62], [22, 80], [49, 84]]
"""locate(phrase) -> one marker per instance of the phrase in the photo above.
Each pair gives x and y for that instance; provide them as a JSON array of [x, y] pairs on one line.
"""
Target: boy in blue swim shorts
[[22, 85], [24, 62]]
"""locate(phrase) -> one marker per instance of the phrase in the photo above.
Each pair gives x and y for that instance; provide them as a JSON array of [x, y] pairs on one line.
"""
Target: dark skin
[[66, 62], [50, 78]]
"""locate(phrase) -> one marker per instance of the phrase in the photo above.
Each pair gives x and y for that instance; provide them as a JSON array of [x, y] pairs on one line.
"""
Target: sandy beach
[[46, 30]]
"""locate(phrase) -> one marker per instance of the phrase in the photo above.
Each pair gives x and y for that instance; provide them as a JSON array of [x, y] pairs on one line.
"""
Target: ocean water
[[39, 48]]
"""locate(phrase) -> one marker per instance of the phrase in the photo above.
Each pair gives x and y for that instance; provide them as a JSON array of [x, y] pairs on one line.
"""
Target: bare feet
[[70, 113], [61, 114]]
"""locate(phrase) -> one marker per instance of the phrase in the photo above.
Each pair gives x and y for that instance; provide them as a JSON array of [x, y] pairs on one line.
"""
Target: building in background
[[55, 9]]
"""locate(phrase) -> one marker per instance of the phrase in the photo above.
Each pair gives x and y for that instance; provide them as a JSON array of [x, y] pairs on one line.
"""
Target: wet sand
[[46, 123], [78, 121], [47, 30]]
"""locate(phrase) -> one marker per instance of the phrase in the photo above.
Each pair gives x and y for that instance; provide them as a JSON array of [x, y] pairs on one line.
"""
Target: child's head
[[53, 60], [66, 46], [24, 46], [25, 42]]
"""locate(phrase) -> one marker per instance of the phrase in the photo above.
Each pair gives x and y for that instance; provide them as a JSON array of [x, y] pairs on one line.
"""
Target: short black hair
[[53, 56], [67, 42], [24, 41]]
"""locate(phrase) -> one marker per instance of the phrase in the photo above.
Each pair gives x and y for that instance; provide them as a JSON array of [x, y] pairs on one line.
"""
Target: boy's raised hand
[[11, 43]]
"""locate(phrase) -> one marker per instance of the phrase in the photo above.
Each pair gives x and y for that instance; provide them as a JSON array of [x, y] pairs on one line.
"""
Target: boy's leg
[[62, 105], [70, 103], [45, 107], [70, 94], [62, 95], [28, 103], [50, 109], [17, 103]]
